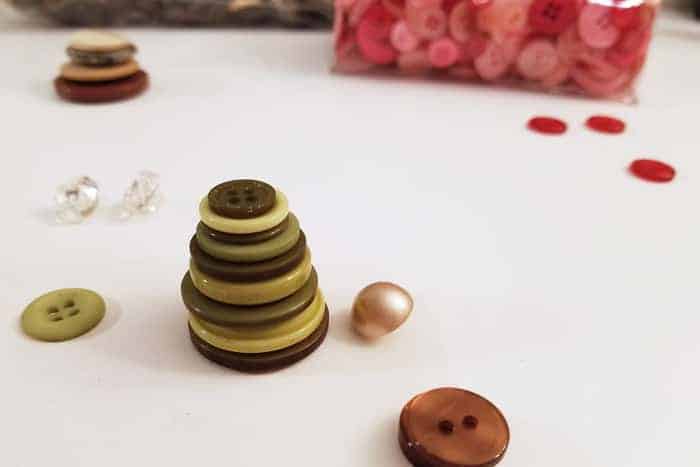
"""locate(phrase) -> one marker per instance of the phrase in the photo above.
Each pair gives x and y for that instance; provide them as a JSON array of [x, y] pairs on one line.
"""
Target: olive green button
[[254, 253], [63, 314]]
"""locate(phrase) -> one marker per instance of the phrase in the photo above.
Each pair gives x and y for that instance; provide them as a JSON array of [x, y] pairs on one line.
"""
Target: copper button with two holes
[[452, 427]]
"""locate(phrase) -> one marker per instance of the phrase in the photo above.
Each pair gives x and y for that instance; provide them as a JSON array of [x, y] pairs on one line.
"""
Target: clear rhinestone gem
[[143, 195], [75, 200]]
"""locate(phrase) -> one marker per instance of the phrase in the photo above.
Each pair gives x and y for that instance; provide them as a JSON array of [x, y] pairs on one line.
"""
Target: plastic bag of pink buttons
[[595, 48]]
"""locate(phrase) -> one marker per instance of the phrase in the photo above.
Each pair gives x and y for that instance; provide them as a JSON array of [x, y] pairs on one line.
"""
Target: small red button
[[626, 18], [605, 124], [652, 170], [547, 125], [552, 16], [373, 36]]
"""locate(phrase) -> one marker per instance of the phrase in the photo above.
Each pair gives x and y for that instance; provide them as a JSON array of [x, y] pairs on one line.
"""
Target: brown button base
[[451, 427], [99, 92], [264, 362]]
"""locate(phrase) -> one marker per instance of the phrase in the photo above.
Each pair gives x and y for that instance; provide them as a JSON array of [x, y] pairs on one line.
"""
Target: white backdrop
[[545, 277]]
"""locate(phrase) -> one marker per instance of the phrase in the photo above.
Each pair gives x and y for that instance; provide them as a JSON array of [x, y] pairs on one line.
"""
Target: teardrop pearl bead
[[379, 309]]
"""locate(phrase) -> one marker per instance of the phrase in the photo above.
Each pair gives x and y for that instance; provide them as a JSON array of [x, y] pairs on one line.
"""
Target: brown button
[[242, 199], [451, 427]]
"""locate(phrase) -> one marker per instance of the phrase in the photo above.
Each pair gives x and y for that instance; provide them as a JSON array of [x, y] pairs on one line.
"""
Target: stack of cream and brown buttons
[[251, 289], [101, 69]]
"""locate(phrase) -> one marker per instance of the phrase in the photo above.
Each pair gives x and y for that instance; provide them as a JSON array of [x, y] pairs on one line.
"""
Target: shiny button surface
[[452, 427]]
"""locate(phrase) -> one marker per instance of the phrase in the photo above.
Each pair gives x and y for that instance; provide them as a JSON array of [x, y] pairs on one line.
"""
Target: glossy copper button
[[242, 199], [452, 427]]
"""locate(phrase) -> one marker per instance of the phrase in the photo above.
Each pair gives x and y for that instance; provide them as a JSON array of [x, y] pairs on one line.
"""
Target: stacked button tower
[[101, 69], [251, 290]]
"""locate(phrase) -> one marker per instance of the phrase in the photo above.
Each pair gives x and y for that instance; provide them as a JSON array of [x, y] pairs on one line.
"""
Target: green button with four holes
[[63, 314]]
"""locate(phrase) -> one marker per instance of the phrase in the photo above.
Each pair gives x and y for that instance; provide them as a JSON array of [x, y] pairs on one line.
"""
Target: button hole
[[234, 200], [69, 304], [446, 427], [74, 312], [53, 310], [232, 193], [56, 318], [470, 422], [251, 199]]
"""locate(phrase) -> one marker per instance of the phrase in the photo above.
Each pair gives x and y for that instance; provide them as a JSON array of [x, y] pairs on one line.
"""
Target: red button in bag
[[634, 42], [461, 23], [537, 59], [373, 36], [626, 18], [427, 23], [493, 63], [596, 26], [652, 170], [552, 16], [443, 52], [402, 38]]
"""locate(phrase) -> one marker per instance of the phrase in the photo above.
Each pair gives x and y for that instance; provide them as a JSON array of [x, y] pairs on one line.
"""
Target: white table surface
[[545, 277]]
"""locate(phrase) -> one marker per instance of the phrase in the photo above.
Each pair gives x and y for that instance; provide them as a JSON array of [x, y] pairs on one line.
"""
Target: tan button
[[74, 72], [451, 427]]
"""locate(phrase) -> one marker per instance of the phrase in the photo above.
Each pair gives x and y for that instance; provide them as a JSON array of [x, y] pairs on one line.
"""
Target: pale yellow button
[[265, 338], [245, 226], [75, 72], [252, 293], [95, 40]]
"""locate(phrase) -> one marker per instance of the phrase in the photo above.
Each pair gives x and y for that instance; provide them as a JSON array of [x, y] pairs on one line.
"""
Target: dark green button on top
[[63, 314], [242, 199]]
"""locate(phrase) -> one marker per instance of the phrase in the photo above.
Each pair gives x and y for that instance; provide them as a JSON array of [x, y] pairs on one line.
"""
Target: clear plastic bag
[[596, 48], [293, 13]]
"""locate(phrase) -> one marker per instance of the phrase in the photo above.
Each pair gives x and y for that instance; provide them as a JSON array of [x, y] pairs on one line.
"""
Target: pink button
[[427, 23], [402, 38], [415, 62], [595, 65], [503, 18], [537, 59], [598, 88], [461, 23], [559, 76], [631, 49], [552, 16], [373, 35], [596, 27], [493, 63], [443, 53]]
